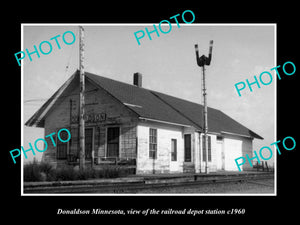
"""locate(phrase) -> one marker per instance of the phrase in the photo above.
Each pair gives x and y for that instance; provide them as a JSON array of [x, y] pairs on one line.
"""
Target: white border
[[22, 110], [151, 24], [275, 111]]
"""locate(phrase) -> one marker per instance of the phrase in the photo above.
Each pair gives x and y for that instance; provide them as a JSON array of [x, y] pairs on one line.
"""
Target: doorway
[[89, 133], [113, 141], [174, 165], [220, 156]]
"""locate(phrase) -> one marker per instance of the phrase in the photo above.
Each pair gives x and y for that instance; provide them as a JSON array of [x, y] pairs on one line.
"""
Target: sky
[[167, 63]]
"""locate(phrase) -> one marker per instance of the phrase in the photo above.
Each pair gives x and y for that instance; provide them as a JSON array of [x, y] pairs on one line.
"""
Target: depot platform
[[141, 181]]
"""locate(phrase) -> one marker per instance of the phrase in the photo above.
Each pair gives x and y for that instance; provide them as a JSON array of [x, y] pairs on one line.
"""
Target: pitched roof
[[140, 100], [218, 122], [153, 105]]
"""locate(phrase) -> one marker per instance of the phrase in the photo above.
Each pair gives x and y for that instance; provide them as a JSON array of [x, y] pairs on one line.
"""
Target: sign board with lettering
[[90, 118]]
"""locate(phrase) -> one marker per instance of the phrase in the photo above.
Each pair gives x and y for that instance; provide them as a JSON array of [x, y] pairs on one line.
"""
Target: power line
[[45, 99], [35, 100]]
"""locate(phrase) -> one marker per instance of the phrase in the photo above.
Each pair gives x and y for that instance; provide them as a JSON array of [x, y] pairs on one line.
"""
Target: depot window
[[173, 149], [62, 147], [152, 143], [187, 148]]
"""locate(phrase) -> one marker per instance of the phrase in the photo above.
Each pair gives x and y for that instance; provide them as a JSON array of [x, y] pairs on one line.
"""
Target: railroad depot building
[[156, 132]]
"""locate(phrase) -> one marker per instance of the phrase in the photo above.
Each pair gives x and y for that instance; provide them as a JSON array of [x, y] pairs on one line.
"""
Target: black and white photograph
[[150, 111], [119, 114]]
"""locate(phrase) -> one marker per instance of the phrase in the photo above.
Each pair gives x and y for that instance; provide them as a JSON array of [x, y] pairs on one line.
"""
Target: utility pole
[[81, 101], [201, 62]]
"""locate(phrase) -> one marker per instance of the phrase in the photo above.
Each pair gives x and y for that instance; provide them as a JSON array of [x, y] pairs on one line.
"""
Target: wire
[[35, 100], [45, 99]]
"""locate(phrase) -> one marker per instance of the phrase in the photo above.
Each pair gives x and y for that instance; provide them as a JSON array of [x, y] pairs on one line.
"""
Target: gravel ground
[[259, 186], [253, 187]]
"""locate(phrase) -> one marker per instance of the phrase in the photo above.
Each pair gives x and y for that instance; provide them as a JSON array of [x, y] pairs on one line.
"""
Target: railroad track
[[132, 187]]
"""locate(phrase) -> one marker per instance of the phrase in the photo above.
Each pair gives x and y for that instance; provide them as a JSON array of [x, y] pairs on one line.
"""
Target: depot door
[[174, 165], [220, 156], [113, 134], [88, 142]]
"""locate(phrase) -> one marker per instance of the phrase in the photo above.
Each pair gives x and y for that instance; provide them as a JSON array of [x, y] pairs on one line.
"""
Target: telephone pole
[[81, 101], [202, 61]]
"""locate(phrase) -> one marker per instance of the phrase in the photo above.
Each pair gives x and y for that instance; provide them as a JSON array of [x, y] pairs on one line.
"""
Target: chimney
[[137, 79]]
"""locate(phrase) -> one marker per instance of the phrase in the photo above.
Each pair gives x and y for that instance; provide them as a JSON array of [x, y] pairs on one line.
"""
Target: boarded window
[[152, 143], [209, 149], [187, 148]]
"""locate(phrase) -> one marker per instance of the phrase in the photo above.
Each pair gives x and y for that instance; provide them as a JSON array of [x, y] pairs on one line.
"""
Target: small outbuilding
[[155, 132]]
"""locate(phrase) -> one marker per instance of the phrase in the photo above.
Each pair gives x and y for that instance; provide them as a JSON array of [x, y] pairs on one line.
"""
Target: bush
[[86, 174], [64, 173], [46, 167], [35, 171], [112, 171], [32, 172], [108, 172]]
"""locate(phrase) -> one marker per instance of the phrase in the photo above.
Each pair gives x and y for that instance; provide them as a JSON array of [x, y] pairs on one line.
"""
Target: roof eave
[[165, 122], [242, 135]]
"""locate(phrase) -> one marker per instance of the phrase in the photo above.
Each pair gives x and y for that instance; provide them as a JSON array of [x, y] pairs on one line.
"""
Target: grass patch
[[35, 171]]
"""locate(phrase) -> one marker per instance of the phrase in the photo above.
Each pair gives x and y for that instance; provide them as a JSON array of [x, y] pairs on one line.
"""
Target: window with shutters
[[152, 143]]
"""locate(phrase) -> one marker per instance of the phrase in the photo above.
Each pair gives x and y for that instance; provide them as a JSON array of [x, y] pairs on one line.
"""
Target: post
[[201, 62], [81, 101], [205, 120]]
